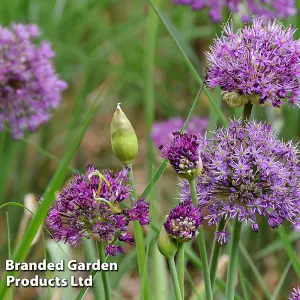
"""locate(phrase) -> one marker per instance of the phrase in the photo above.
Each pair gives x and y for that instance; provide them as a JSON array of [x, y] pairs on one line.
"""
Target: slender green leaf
[[289, 250], [281, 281], [189, 64]]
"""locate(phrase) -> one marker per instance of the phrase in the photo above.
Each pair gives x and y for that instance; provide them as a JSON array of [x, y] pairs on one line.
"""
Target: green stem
[[247, 111], [216, 249], [175, 279], [140, 242], [105, 279], [202, 246], [231, 274], [180, 267]]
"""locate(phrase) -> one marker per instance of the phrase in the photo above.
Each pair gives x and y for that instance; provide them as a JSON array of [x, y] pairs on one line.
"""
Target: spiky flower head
[[183, 155], [89, 206], [259, 63], [29, 86], [161, 132], [244, 8], [295, 294], [183, 222], [247, 173]]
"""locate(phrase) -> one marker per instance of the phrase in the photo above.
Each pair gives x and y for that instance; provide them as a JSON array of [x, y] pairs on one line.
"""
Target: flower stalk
[[139, 240], [181, 267], [105, 278], [216, 249], [202, 246], [231, 274], [175, 279]]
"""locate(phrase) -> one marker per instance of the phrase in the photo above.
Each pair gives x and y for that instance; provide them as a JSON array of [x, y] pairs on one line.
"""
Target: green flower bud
[[234, 99], [167, 246], [123, 138]]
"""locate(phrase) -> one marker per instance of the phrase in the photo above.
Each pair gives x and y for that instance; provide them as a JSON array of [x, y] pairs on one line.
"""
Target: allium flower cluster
[[89, 206], [162, 131], [247, 173], [29, 86], [245, 8], [258, 63], [183, 154], [183, 222], [295, 294]]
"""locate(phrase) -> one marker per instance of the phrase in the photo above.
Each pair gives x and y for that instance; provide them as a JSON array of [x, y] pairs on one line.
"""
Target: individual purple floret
[[162, 131], [247, 173], [295, 294], [259, 63], [183, 154], [222, 237], [89, 206], [244, 8], [140, 212], [29, 86], [183, 222]]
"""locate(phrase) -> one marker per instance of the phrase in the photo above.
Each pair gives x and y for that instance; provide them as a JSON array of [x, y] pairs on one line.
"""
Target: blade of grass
[[255, 271], [192, 69], [22, 250], [276, 245], [243, 281], [281, 281], [289, 250], [10, 295]]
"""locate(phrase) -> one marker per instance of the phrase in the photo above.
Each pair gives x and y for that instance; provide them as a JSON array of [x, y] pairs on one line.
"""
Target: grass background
[[110, 52]]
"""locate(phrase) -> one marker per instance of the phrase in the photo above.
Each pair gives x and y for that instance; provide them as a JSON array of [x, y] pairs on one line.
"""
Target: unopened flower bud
[[167, 246], [123, 138]]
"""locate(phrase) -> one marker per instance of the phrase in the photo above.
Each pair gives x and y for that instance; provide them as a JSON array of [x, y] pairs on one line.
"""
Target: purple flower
[[114, 250], [222, 237], [140, 212], [89, 206], [183, 221], [267, 8], [259, 64], [248, 173], [295, 294], [162, 131], [29, 86], [183, 154]]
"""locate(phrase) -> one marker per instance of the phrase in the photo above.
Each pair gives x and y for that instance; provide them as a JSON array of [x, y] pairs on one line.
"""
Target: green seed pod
[[123, 138], [167, 246]]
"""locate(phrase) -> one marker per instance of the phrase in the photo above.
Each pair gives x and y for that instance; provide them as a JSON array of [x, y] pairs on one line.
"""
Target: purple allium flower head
[[140, 212], [162, 131], [183, 154], [183, 221], [248, 173], [222, 237], [89, 206], [267, 8], [29, 86], [259, 63], [295, 294]]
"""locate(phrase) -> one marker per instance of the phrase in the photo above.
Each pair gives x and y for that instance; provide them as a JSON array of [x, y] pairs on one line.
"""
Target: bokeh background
[[104, 50]]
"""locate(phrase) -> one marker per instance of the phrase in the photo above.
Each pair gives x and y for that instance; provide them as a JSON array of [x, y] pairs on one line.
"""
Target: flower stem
[[175, 279], [202, 246], [247, 111], [216, 248], [231, 274], [105, 279], [140, 242], [180, 267]]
